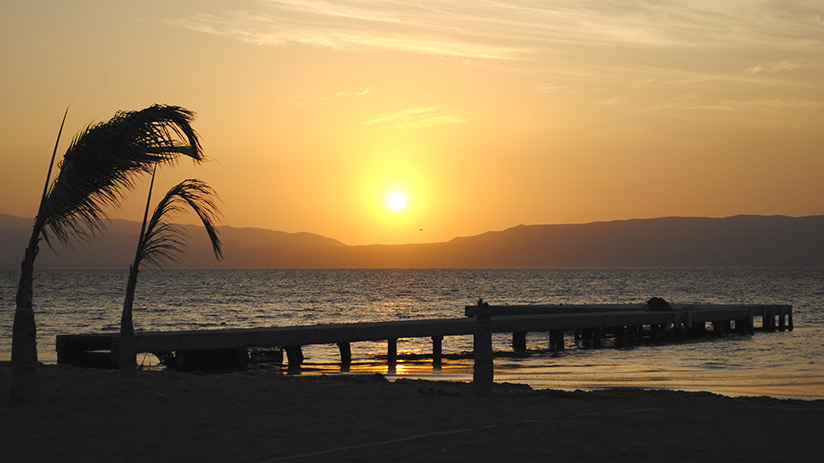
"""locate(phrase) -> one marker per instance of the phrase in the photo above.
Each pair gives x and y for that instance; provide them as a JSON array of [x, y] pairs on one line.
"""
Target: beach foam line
[[446, 433]]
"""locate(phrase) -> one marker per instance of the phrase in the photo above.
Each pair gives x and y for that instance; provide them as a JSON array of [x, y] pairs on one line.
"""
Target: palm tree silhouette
[[101, 162], [159, 242]]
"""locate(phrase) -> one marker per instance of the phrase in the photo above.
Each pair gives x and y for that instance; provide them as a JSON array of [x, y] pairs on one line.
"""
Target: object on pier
[[657, 304]]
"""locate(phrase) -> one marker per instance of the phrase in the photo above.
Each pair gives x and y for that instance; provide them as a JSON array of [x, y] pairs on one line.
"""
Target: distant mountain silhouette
[[243, 247], [743, 240]]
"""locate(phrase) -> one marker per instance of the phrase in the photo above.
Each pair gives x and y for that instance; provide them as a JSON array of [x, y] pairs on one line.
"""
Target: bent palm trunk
[[159, 241], [127, 354], [25, 387]]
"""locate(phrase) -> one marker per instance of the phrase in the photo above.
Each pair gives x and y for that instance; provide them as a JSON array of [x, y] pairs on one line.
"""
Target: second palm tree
[[158, 242]]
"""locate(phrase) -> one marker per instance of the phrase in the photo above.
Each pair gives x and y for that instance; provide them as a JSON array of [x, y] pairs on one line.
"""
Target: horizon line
[[112, 219]]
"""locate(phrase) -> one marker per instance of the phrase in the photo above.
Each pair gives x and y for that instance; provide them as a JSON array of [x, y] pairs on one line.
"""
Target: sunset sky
[[484, 114]]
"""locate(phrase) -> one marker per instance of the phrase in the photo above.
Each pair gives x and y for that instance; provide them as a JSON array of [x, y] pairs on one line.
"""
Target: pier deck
[[589, 323]]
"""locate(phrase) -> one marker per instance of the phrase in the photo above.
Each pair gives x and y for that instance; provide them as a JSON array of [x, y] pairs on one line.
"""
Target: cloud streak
[[518, 28], [350, 26], [421, 116], [318, 99], [784, 66], [607, 47]]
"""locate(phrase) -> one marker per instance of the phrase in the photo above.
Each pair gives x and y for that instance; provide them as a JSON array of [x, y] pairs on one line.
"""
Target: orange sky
[[485, 115]]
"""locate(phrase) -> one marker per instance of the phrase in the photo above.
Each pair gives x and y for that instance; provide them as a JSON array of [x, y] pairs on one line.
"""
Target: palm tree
[[159, 241], [101, 162]]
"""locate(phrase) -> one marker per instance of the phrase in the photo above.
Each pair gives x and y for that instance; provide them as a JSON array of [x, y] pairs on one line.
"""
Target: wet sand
[[94, 415]]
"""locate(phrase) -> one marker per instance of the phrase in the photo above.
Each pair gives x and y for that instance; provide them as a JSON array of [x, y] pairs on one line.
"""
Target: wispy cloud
[[771, 104], [517, 28], [422, 116], [318, 99], [549, 88], [363, 92], [353, 26], [784, 65], [575, 45]]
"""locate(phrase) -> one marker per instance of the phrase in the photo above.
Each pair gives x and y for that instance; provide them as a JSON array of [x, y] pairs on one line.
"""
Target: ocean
[[782, 364]]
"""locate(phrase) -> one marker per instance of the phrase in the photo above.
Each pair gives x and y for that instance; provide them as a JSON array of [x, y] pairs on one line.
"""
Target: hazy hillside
[[664, 242], [243, 247]]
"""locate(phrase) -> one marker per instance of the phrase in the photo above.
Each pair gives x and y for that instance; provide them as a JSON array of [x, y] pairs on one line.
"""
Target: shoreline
[[94, 415]]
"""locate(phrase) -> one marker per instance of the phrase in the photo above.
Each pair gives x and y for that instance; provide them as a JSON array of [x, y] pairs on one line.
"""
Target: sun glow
[[396, 201], [395, 195]]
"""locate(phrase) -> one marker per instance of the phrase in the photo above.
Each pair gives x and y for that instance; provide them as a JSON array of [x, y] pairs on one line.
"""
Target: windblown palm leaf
[[101, 162], [159, 241], [162, 240]]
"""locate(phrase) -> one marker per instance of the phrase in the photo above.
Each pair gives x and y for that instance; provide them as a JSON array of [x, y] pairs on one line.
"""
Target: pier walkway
[[589, 324]]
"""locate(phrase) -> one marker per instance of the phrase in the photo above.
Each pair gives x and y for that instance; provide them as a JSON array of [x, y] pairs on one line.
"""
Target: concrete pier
[[625, 324]]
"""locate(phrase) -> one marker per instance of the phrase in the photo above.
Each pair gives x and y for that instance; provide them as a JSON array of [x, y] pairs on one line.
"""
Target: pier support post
[[782, 324], [483, 374], [345, 353], [294, 355], [519, 341], [632, 335], [768, 320], [437, 352], [597, 336], [586, 337], [718, 328], [741, 327], [699, 329], [556, 339], [790, 319], [392, 351], [620, 336]]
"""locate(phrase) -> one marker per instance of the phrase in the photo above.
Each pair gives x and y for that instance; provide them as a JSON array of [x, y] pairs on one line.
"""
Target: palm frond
[[103, 160], [162, 240]]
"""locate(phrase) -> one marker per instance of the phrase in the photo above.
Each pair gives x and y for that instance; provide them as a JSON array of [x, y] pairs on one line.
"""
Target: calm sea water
[[788, 364]]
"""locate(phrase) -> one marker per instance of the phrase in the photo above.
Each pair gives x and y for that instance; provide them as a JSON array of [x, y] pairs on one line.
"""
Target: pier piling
[[519, 342], [556, 339], [392, 350], [437, 351], [294, 355], [345, 349], [483, 374]]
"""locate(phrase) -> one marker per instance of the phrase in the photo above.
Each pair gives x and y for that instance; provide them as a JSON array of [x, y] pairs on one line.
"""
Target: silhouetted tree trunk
[[158, 240], [25, 384], [127, 354]]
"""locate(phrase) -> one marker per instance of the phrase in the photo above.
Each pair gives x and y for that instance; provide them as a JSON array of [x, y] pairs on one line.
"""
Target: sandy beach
[[94, 415]]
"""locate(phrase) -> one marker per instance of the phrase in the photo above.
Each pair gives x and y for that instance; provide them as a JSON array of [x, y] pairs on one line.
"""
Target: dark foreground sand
[[94, 415]]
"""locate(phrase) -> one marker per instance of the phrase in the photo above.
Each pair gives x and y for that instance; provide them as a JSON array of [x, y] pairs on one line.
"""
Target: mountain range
[[739, 241]]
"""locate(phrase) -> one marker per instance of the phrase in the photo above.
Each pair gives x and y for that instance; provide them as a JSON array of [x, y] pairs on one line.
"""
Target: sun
[[396, 201]]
